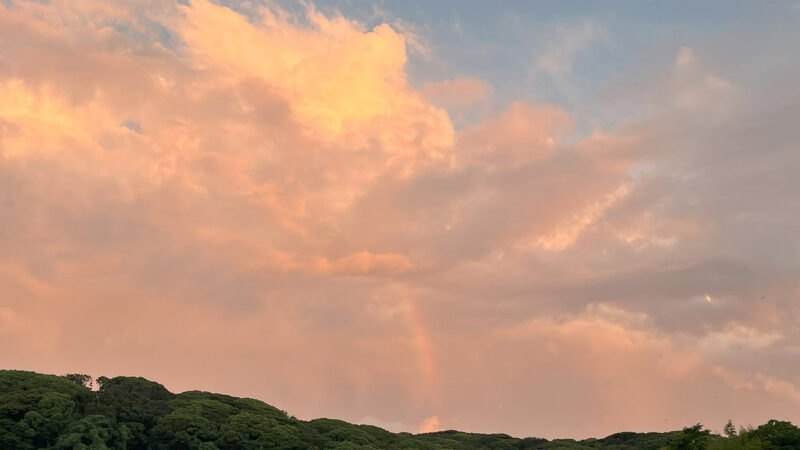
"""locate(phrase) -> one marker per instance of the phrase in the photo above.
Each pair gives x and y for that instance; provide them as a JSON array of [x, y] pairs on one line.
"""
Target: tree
[[729, 429], [52, 415], [184, 428], [80, 379], [95, 431], [778, 435], [691, 438]]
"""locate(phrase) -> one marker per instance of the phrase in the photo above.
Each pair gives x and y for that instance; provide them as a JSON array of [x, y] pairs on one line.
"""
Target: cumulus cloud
[[274, 185]]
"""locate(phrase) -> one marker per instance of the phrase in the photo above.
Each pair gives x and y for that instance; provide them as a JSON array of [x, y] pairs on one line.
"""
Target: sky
[[552, 219]]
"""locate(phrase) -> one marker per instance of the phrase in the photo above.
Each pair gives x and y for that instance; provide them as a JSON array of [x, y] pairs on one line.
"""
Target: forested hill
[[62, 412]]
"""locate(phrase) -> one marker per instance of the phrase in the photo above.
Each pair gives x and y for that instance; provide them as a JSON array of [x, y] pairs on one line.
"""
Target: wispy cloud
[[564, 44]]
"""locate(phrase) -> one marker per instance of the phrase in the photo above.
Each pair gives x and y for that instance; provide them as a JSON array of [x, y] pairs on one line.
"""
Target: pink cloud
[[523, 134], [458, 92]]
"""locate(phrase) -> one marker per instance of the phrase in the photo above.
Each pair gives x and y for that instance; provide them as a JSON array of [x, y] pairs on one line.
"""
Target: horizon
[[553, 220]]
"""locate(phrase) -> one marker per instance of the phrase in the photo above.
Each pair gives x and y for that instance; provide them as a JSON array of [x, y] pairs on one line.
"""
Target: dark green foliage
[[778, 435], [35, 409], [94, 431], [133, 399], [730, 429], [691, 438], [53, 412], [80, 379], [629, 440]]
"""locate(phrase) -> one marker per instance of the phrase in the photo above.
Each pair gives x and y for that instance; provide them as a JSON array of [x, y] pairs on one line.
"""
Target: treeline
[[63, 412]]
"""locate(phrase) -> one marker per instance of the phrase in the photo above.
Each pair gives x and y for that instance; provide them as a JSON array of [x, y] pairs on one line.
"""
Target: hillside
[[62, 412]]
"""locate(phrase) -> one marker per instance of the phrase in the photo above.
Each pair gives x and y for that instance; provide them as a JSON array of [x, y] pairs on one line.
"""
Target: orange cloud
[[366, 262], [565, 234], [344, 82]]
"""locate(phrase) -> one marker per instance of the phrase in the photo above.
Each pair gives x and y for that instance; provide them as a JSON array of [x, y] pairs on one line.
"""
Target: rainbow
[[426, 350]]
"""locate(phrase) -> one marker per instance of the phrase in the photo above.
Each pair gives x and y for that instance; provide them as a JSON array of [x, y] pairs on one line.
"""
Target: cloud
[[565, 44], [736, 338], [695, 88], [416, 42], [336, 76], [459, 93], [781, 389], [523, 134]]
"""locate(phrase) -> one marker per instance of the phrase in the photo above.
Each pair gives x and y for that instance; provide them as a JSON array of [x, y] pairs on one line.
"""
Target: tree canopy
[[63, 412]]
